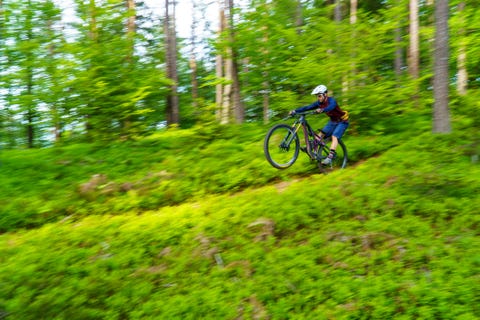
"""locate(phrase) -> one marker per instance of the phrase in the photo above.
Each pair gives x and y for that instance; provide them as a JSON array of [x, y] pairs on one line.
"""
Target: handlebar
[[306, 112], [297, 114]]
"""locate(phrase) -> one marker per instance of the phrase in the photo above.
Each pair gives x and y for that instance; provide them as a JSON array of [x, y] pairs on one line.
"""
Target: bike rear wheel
[[281, 146], [341, 158]]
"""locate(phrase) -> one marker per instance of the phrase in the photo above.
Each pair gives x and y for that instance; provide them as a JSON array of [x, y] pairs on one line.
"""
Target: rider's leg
[[337, 134], [327, 130], [334, 144]]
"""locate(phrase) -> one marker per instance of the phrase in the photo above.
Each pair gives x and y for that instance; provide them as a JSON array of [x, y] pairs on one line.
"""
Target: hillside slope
[[48, 185], [395, 236]]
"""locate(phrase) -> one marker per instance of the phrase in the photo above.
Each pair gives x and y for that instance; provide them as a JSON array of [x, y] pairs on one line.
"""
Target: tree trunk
[[219, 64], [130, 28], [194, 80], [51, 69], [130, 24], [353, 21], [228, 94], [266, 97], [299, 16], [338, 10], [414, 51], [30, 115], [29, 74], [238, 110], [353, 11], [227, 90], [172, 111], [441, 113], [338, 19], [193, 60], [219, 86], [93, 37], [462, 75]]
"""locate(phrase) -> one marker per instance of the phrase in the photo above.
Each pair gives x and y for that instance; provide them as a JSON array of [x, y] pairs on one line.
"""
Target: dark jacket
[[330, 107]]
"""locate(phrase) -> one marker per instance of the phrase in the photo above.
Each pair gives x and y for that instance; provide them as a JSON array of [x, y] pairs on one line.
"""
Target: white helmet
[[321, 89]]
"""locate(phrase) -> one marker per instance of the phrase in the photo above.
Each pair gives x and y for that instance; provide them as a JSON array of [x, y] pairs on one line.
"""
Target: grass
[[206, 229]]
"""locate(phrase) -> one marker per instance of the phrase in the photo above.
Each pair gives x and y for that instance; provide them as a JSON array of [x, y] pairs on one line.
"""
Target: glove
[[292, 113], [319, 110]]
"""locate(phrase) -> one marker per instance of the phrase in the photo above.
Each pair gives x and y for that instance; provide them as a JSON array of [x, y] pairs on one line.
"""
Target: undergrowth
[[199, 228], [169, 168]]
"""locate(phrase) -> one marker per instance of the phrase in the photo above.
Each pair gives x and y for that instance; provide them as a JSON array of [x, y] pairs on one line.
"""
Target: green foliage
[[93, 80], [194, 224], [206, 229], [51, 184]]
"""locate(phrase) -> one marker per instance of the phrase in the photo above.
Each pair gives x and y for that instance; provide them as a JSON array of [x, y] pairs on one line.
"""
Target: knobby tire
[[281, 146]]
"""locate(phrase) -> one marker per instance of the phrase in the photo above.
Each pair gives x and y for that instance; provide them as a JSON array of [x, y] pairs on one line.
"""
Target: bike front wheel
[[281, 146]]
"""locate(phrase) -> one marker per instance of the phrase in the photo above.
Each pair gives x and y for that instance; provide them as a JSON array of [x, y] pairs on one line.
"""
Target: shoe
[[327, 161]]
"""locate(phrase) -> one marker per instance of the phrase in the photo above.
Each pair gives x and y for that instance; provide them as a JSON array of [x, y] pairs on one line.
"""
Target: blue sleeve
[[331, 105], [312, 106]]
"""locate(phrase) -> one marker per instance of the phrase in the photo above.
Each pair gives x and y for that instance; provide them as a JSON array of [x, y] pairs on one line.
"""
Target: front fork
[[287, 141]]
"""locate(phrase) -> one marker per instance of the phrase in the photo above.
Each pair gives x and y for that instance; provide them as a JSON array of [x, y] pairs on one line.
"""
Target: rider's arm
[[312, 106], [331, 105]]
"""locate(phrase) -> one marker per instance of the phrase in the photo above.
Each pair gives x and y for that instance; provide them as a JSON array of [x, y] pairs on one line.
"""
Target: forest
[[134, 184], [113, 70]]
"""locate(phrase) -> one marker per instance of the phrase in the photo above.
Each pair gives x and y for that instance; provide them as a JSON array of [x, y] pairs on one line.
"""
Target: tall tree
[[414, 49], [228, 87], [462, 74], [5, 116], [353, 22], [109, 85], [222, 112], [238, 109], [193, 57], [130, 27], [53, 82], [93, 85], [441, 113], [92, 37], [173, 108], [299, 16], [255, 40], [338, 11], [353, 11], [23, 66], [130, 49]]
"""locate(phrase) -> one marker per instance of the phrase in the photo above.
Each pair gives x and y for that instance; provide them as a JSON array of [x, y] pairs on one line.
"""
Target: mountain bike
[[282, 144]]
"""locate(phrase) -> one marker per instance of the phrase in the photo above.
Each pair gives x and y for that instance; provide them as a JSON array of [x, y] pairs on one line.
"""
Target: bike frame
[[308, 132]]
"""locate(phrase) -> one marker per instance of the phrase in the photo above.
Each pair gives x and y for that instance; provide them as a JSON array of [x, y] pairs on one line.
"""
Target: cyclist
[[337, 124]]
